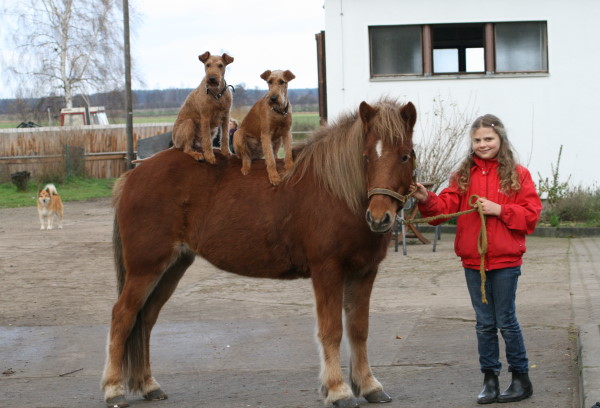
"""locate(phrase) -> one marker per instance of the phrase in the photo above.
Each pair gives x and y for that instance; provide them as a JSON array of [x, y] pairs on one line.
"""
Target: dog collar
[[284, 112], [218, 95]]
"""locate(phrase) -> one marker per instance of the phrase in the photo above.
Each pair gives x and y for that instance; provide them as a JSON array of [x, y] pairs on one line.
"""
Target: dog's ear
[[265, 75], [227, 58], [288, 75], [204, 57]]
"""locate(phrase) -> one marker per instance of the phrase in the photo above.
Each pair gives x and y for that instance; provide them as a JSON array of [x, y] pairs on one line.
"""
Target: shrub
[[579, 205]]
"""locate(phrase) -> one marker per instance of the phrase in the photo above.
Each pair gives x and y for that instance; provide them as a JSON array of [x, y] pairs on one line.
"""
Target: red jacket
[[505, 233]]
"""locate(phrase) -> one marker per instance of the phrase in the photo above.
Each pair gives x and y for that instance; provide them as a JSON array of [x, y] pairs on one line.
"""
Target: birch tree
[[66, 47]]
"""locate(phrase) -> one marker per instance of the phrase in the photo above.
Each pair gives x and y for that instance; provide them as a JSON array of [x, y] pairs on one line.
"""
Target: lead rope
[[482, 242]]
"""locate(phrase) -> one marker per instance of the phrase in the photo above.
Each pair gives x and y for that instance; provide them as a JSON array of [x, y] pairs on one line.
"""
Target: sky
[[168, 36], [259, 35]]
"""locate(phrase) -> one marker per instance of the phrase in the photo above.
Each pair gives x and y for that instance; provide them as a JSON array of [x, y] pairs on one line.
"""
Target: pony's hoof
[[117, 402], [346, 403], [378, 396], [156, 395]]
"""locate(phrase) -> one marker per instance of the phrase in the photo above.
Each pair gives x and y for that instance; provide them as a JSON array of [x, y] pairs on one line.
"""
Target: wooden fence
[[104, 148]]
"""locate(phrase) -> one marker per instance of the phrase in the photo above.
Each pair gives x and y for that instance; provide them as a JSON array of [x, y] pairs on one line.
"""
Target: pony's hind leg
[[123, 341], [357, 293], [151, 389], [327, 286]]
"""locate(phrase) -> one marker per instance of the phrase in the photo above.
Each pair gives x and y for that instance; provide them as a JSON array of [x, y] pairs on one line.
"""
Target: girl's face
[[486, 143]]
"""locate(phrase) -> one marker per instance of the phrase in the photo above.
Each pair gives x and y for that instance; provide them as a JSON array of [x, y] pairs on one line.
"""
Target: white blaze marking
[[379, 148]]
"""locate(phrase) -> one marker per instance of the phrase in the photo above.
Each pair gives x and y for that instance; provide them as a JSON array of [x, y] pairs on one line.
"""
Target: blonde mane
[[334, 153]]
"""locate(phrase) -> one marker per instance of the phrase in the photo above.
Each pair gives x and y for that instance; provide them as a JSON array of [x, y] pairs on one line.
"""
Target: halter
[[401, 198], [218, 95]]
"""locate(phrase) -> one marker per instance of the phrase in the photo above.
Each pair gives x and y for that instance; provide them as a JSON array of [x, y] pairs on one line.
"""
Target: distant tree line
[[38, 109]]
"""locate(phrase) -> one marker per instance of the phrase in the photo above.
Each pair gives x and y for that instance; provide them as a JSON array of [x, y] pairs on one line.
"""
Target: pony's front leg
[[327, 286], [357, 295]]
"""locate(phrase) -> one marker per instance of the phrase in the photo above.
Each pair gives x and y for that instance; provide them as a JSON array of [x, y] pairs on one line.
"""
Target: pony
[[349, 179]]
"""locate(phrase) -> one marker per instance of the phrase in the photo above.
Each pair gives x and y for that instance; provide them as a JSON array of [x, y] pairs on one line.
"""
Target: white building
[[533, 63]]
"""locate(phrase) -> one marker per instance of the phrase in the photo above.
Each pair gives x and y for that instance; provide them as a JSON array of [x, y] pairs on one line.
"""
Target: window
[[463, 49], [398, 50], [458, 48]]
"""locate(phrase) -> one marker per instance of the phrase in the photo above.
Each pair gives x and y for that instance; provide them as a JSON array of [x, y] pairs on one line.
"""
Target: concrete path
[[228, 341], [584, 269]]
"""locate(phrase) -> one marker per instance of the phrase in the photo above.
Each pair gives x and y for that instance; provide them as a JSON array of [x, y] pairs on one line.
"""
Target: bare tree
[[67, 47], [441, 139]]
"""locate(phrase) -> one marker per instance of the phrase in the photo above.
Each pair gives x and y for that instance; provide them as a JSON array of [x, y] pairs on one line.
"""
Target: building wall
[[541, 112]]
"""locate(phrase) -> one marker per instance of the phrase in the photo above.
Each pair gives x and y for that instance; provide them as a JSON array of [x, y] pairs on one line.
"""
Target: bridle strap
[[391, 193]]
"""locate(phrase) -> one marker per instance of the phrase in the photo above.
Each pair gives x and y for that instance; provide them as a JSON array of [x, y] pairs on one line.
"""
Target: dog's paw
[[274, 179]]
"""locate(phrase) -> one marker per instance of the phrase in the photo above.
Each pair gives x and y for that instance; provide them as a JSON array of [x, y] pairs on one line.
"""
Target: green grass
[[74, 189]]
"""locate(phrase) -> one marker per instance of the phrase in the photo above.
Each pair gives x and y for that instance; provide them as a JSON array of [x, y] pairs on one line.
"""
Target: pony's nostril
[[387, 219], [369, 217]]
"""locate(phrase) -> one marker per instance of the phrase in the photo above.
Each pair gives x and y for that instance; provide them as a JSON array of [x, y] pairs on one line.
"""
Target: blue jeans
[[498, 313]]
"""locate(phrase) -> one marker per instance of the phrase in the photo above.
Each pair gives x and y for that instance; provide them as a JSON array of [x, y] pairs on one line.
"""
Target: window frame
[[489, 49]]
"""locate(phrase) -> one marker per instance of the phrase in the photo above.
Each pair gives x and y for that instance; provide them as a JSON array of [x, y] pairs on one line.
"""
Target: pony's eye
[[405, 158]]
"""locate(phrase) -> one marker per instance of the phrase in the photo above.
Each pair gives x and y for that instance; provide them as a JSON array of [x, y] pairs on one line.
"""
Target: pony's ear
[[227, 58], [265, 75], [367, 112], [409, 114], [204, 57]]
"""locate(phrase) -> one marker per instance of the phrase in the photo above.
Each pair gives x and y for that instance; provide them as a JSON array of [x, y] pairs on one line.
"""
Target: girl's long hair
[[507, 163]]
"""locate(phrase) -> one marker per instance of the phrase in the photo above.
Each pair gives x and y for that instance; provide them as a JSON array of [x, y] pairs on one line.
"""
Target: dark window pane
[[521, 47], [396, 50]]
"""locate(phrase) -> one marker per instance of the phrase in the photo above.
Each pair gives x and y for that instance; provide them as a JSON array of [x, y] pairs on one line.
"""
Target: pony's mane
[[335, 152]]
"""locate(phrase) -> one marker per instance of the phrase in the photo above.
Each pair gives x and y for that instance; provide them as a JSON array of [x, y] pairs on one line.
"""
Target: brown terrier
[[205, 110], [266, 126]]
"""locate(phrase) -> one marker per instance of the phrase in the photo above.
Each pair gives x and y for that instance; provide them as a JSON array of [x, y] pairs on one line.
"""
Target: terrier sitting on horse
[[205, 110], [266, 126]]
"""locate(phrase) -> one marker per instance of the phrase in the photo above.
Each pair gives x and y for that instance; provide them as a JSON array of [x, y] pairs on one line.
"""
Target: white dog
[[49, 204]]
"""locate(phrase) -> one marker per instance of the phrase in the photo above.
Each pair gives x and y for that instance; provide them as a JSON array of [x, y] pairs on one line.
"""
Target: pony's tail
[[117, 244], [134, 358]]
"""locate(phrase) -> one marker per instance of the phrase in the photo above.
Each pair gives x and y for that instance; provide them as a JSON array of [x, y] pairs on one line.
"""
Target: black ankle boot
[[519, 388], [491, 388]]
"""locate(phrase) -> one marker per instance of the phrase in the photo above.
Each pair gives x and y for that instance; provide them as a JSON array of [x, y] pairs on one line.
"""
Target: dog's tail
[[51, 189]]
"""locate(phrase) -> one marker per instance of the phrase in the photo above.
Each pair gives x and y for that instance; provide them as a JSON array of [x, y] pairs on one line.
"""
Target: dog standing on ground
[[49, 204], [266, 126], [205, 110]]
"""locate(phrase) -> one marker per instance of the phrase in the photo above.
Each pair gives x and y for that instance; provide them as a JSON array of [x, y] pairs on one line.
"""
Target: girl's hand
[[418, 191], [490, 207]]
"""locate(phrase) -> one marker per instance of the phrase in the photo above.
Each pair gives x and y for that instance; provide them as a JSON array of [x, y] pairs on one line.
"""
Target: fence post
[[67, 160]]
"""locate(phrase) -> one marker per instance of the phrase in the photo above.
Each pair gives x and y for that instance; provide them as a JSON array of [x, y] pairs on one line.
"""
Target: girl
[[512, 207]]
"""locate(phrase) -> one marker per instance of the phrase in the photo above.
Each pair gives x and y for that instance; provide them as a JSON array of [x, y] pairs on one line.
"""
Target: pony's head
[[390, 160]]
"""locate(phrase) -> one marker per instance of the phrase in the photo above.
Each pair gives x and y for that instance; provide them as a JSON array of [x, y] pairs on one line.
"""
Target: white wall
[[540, 113]]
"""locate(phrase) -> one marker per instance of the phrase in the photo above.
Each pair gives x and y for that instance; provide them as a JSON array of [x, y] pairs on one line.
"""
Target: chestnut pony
[[329, 220]]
